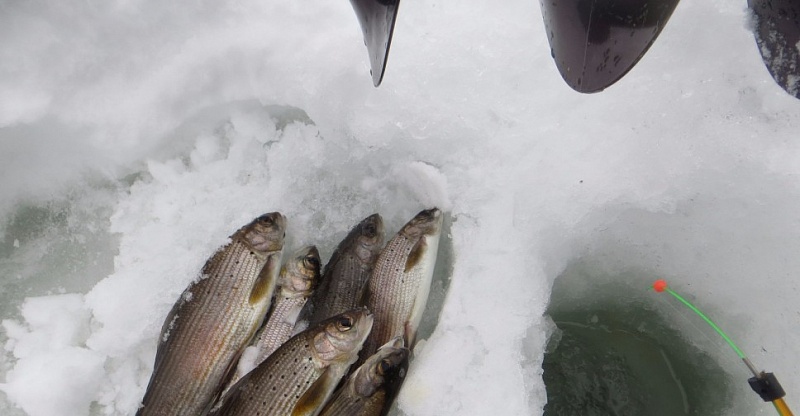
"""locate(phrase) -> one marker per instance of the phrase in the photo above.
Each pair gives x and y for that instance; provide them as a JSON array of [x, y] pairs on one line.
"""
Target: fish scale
[[370, 388], [209, 359], [298, 279], [390, 296], [343, 293], [280, 328], [272, 388], [356, 405], [348, 270], [206, 330], [276, 386], [400, 281]]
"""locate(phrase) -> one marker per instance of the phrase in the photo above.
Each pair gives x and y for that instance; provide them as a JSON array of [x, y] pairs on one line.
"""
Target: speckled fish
[[298, 279], [347, 272], [368, 390], [399, 286], [214, 319], [301, 375]]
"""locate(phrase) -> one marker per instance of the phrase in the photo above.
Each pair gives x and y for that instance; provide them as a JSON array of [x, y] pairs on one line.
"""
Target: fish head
[[370, 238], [427, 222], [340, 338], [265, 233], [386, 365], [301, 274]]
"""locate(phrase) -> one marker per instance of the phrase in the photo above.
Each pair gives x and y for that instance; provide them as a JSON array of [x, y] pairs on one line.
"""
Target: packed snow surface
[[135, 136]]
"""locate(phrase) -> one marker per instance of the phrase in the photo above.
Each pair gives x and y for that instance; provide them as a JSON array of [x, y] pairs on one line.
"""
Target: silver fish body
[[214, 319], [369, 389], [300, 376], [298, 279], [400, 283], [347, 272]]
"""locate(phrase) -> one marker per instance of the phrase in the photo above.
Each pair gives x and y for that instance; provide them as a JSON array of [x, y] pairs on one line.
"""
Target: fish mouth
[[395, 343], [428, 222], [430, 215], [433, 213], [372, 227]]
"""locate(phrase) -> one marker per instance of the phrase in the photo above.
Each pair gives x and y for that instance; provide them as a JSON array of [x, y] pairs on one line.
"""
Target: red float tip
[[660, 285]]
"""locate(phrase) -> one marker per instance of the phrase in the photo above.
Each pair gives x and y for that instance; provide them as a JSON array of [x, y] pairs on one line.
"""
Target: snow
[[164, 128], [54, 372]]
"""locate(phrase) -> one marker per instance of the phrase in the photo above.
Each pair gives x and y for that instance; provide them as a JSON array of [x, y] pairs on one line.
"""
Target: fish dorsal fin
[[311, 402], [264, 286], [416, 254]]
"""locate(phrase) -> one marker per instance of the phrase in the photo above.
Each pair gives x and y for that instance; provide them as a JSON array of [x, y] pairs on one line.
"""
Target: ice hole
[[615, 353]]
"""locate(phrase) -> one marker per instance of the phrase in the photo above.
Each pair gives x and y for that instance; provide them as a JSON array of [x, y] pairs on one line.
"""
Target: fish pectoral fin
[[264, 286], [409, 334], [315, 397], [416, 254]]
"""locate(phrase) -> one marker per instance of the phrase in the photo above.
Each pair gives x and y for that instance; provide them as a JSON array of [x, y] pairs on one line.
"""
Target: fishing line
[[716, 343], [661, 286], [763, 383]]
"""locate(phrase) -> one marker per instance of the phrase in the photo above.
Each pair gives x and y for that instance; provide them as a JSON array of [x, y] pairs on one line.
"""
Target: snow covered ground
[[136, 135]]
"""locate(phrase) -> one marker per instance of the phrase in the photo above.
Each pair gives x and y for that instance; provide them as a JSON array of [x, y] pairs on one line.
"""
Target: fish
[[298, 279], [214, 320], [369, 389], [400, 283], [347, 272], [301, 375]]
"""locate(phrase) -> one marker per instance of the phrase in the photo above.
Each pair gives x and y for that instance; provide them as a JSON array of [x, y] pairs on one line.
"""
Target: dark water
[[616, 358], [606, 364]]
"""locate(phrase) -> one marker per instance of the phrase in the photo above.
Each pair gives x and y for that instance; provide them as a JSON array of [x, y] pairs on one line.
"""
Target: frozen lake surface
[[135, 136]]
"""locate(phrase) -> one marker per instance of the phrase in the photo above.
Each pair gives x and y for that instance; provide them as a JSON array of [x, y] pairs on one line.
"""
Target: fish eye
[[311, 262], [384, 366], [344, 323], [370, 231], [267, 220]]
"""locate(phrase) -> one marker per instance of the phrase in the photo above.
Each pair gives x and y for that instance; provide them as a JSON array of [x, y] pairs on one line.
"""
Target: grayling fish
[[298, 279], [399, 286], [300, 376], [347, 272], [214, 319], [368, 389]]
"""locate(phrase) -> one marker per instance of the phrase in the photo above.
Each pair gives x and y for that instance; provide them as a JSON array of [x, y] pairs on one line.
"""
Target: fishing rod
[[764, 384]]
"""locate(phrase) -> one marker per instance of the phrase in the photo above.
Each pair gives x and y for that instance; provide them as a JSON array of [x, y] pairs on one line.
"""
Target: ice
[[135, 136], [52, 372]]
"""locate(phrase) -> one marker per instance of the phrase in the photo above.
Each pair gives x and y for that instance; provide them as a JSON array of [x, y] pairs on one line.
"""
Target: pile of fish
[[249, 337]]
